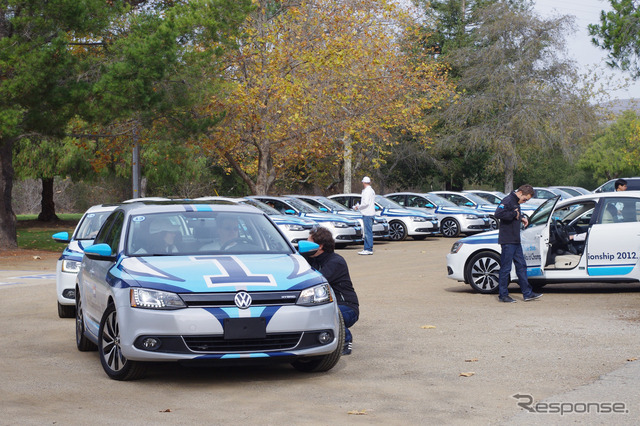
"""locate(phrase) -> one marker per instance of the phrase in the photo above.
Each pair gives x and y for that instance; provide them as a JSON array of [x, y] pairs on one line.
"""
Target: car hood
[[455, 210], [75, 250], [407, 212], [325, 217], [213, 274], [489, 237], [281, 219]]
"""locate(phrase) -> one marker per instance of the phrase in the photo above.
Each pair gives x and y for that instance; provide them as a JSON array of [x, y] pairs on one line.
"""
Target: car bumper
[[422, 228], [198, 332], [65, 285], [474, 225]]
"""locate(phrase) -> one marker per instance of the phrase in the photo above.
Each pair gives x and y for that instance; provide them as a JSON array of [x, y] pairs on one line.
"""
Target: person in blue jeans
[[510, 217], [367, 206], [334, 268]]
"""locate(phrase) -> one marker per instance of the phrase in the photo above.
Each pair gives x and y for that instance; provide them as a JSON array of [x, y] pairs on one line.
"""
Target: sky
[[579, 45]]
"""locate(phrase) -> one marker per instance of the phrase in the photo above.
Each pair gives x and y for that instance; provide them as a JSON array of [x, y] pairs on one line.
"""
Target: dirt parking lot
[[427, 350]]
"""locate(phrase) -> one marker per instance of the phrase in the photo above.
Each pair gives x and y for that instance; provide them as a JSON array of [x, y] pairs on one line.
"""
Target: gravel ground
[[427, 350]]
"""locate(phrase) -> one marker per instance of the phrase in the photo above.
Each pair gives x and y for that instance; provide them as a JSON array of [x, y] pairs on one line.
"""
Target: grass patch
[[36, 235]]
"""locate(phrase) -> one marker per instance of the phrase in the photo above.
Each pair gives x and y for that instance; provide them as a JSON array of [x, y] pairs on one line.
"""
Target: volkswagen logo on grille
[[242, 299]]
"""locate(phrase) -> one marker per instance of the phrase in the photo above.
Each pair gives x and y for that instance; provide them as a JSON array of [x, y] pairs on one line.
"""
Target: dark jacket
[[334, 268], [507, 211]]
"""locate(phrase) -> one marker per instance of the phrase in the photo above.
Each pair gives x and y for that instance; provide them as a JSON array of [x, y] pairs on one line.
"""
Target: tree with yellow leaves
[[310, 76]]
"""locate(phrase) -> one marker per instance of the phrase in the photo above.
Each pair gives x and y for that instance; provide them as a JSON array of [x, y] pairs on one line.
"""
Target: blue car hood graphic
[[217, 273], [489, 237], [75, 250]]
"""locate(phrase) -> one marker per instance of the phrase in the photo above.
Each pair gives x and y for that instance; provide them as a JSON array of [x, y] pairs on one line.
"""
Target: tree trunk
[[348, 170], [8, 236], [508, 176], [48, 207]]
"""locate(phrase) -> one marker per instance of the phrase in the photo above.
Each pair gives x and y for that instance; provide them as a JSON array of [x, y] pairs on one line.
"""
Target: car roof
[[146, 207]]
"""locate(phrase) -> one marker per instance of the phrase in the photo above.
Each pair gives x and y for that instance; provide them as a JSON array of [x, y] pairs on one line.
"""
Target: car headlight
[[340, 224], [154, 299], [71, 266], [456, 246], [473, 216], [315, 295], [418, 219], [295, 227]]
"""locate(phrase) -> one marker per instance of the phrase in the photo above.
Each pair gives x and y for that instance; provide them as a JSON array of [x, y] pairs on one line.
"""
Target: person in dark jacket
[[510, 216], [334, 268]]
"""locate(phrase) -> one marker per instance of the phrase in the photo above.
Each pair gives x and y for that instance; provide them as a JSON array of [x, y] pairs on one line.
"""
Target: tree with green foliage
[[517, 93], [619, 33], [616, 150], [41, 79]]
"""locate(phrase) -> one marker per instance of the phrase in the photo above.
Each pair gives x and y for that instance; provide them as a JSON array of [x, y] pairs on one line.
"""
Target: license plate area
[[245, 328]]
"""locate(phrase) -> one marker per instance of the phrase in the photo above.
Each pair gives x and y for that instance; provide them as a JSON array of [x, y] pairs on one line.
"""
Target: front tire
[[450, 228], [483, 271], [83, 344], [113, 362], [493, 222], [316, 364], [397, 231]]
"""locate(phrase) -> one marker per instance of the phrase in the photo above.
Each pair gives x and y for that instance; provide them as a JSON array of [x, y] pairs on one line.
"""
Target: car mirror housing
[[290, 211], [61, 237], [307, 247], [99, 252]]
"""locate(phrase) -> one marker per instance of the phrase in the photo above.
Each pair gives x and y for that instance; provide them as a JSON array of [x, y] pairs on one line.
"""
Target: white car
[[202, 282], [592, 237], [402, 222], [69, 263]]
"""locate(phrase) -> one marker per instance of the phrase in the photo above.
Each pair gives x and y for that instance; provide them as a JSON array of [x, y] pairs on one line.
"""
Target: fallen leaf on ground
[[428, 326], [471, 360], [168, 410], [358, 412], [632, 359], [36, 257], [467, 374]]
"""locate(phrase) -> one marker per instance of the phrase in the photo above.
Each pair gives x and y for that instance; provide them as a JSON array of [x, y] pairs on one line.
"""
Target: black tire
[[537, 286], [66, 311], [493, 222], [482, 272], [83, 344], [450, 228], [113, 362], [397, 231], [316, 364]]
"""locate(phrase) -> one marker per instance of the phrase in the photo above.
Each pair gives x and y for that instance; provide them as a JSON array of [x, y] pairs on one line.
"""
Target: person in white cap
[[367, 207]]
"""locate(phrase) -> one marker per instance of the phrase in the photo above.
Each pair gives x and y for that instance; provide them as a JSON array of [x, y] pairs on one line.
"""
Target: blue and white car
[[68, 265], [593, 237], [402, 222], [254, 300], [294, 228], [495, 198], [453, 219], [472, 202], [380, 224], [345, 230]]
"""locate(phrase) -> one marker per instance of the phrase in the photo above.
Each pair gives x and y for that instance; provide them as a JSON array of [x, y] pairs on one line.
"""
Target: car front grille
[[266, 298], [273, 342]]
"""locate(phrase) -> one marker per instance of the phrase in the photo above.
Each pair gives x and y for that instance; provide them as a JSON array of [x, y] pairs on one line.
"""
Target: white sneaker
[[365, 252]]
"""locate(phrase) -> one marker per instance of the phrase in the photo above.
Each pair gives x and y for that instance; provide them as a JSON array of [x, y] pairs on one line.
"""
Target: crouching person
[[334, 268]]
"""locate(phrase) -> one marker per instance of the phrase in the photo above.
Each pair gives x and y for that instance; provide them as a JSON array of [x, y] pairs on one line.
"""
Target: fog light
[[69, 293], [151, 343], [325, 337]]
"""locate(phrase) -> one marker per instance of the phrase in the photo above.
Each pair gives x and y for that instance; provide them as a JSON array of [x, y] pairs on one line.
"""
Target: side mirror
[[307, 247], [324, 209], [377, 207], [99, 252], [289, 211], [61, 237], [469, 203], [429, 206]]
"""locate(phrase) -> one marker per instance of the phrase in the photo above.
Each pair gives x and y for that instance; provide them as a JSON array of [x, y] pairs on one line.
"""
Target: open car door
[[535, 238]]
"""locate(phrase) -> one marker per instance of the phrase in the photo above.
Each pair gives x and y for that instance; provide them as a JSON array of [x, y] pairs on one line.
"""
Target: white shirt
[[368, 202]]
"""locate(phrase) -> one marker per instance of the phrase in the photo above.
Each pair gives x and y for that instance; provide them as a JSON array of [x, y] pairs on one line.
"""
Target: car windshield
[[333, 205], [90, 225], [387, 203], [489, 197], [260, 205], [541, 215], [441, 202], [302, 206], [203, 232], [476, 199]]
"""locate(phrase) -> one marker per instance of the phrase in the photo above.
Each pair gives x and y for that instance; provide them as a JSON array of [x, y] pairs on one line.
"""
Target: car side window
[[104, 230], [617, 210], [113, 236], [400, 199]]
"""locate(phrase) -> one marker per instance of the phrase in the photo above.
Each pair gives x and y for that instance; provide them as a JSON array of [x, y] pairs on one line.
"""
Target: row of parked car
[[400, 215]]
